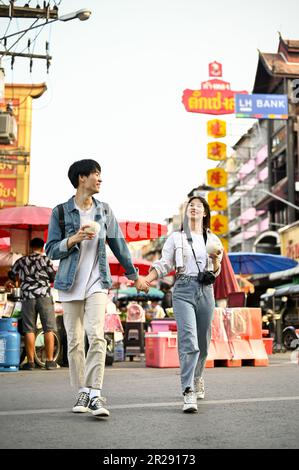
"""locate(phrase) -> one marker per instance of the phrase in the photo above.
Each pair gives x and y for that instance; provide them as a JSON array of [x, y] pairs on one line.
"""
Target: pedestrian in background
[[35, 273], [195, 252], [78, 231]]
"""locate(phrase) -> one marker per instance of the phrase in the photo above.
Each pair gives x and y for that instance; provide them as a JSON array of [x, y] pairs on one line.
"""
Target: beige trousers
[[88, 316]]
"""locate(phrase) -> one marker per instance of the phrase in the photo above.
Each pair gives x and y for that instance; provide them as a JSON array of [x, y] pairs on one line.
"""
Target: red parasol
[[226, 282], [5, 244], [117, 270], [25, 217], [137, 231]]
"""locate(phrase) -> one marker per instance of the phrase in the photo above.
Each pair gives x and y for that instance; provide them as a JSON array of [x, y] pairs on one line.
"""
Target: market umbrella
[[132, 293], [25, 217], [5, 244], [226, 282], [259, 263], [116, 268], [136, 231]]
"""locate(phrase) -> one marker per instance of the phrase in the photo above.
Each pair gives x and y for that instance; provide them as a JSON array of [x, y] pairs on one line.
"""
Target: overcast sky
[[115, 88]]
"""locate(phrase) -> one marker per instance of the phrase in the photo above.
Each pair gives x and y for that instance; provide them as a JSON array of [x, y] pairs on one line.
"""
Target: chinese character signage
[[216, 128], [217, 177], [217, 200], [262, 106], [219, 224], [216, 151]]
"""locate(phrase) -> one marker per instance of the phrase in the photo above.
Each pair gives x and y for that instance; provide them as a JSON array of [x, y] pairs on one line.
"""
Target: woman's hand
[[140, 284]]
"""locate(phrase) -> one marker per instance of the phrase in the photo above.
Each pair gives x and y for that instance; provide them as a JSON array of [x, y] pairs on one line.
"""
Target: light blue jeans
[[193, 306]]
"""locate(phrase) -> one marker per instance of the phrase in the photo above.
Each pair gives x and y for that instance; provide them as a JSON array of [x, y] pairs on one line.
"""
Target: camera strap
[[190, 241]]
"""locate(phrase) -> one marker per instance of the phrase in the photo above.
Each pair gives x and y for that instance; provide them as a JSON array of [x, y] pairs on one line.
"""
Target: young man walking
[[77, 234], [35, 273]]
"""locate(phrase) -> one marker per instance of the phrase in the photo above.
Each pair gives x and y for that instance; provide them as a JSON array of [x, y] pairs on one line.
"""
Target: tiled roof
[[277, 64]]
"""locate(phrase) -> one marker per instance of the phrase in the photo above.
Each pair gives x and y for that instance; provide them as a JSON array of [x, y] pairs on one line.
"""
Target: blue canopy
[[259, 263]]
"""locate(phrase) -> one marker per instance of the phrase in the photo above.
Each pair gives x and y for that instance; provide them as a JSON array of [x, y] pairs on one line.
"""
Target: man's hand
[[80, 236], [141, 284]]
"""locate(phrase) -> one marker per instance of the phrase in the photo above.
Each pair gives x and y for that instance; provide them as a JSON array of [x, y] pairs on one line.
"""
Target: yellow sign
[[216, 128], [219, 224], [217, 151], [289, 237], [217, 177], [15, 170], [224, 242], [217, 200]]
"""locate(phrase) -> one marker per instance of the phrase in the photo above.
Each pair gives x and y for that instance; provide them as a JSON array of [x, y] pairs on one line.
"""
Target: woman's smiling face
[[196, 209]]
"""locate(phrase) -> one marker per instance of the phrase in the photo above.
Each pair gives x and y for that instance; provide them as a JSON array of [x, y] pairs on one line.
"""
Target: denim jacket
[[56, 246]]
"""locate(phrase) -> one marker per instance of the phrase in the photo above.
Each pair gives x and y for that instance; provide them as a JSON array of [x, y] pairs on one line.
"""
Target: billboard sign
[[261, 106]]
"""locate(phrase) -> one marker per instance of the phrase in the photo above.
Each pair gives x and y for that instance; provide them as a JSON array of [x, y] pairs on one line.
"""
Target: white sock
[[95, 392], [84, 389]]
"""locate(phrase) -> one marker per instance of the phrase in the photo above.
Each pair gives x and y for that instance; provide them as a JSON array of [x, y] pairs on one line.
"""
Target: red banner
[[207, 101]]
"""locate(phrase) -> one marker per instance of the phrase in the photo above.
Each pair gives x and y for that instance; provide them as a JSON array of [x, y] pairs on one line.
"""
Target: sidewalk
[[245, 407]]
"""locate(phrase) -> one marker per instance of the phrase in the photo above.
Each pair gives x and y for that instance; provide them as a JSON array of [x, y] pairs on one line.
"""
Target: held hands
[[140, 284]]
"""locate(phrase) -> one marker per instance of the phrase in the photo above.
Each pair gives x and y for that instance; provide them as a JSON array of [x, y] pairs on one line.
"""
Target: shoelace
[[83, 399], [98, 401], [190, 397]]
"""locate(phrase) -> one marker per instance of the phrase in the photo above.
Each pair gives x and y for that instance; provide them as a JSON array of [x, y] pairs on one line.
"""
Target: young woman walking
[[196, 253]]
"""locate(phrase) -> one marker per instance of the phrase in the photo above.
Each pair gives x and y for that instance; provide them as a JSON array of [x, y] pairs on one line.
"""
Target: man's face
[[92, 182]]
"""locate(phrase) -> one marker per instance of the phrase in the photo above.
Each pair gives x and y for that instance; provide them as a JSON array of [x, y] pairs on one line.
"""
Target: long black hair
[[206, 219]]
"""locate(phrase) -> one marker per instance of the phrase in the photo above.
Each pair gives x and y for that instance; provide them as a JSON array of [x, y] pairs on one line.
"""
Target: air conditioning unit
[[8, 129]]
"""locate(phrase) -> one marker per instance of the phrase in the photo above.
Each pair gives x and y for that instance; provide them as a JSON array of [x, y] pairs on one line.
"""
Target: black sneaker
[[52, 365], [28, 366], [96, 407], [81, 405]]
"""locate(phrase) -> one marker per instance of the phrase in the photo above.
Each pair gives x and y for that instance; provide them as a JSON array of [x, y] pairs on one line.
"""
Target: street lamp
[[81, 15]]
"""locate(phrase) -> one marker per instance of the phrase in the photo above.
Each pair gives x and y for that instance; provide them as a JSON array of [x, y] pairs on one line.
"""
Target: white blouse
[[177, 254]]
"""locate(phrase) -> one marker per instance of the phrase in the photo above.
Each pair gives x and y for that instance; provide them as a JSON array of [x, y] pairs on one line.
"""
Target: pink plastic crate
[[161, 349], [163, 325]]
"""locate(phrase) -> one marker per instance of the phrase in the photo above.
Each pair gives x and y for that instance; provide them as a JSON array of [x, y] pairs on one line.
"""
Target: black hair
[[206, 219], [84, 168], [36, 243]]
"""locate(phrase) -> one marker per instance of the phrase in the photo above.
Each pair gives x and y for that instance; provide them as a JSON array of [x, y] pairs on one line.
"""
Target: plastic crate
[[163, 325], [161, 349]]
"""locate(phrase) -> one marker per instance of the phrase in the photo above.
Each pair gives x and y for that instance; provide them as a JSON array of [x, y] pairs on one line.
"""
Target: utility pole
[[11, 11], [18, 155]]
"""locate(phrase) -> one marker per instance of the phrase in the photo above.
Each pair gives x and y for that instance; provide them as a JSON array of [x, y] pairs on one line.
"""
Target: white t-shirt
[[87, 278], [200, 253]]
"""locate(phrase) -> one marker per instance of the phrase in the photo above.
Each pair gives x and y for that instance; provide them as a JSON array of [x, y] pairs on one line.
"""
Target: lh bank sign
[[261, 106]]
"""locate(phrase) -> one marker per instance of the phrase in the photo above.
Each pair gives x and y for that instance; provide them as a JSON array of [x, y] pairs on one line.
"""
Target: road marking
[[153, 405]]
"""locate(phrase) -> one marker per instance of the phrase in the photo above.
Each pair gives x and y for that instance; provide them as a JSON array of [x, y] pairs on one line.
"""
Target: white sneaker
[[190, 402], [199, 387], [96, 407]]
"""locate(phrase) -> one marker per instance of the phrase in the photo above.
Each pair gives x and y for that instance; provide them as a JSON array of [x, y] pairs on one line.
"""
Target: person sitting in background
[[35, 273], [155, 310]]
